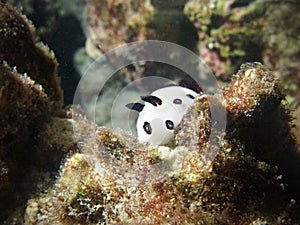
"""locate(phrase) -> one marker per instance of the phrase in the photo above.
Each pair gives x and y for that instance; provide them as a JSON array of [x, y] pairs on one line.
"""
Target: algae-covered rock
[[258, 121], [115, 180], [265, 123], [23, 105], [82, 196], [233, 32], [111, 23], [58, 23], [30, 95], [19, 49], [247, 176]]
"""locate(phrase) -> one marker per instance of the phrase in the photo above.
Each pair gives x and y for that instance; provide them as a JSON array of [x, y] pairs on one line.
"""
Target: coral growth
[[243, 184], [58, 23], [18, 48], [246, 174], [111, 23], [233, 32], [30, 95], [239, 31]]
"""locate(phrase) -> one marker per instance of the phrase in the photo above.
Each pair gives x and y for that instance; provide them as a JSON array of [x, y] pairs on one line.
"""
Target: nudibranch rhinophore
[[162, 112]]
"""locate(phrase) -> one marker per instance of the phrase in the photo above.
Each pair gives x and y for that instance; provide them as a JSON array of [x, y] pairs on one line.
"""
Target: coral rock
[[111, 23], [238, 186], [18, 49], [30, 95]]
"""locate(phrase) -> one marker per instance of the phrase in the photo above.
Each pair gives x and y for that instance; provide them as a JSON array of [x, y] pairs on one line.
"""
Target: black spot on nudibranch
[[190, 96], [152, 99], [169, 124], [191, 84], [147, 127], [135, 106], [177, 101]]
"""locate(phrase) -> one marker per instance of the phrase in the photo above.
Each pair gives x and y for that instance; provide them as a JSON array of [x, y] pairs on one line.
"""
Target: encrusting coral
[[233, 32], [18, 48], [30, 95], [111, 23], [242, 185], [268, 135]]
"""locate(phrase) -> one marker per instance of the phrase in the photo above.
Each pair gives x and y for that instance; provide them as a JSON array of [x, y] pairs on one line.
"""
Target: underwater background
[[59, 167]]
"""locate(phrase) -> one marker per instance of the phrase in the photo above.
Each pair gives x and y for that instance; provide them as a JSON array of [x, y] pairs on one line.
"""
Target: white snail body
[[162, 112]]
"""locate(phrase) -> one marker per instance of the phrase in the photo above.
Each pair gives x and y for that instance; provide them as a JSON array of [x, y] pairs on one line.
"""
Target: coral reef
[[30, 95], [240, 31], [233, 32], [58, 23], [18, 48], [111, 23], [106, 176], [266, 126], [244, 184]]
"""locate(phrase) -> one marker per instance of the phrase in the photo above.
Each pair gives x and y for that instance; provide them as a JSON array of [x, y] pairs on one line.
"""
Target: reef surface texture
[[111, 23], [233, 32], [244, 184], [30, 98], [57, 167]]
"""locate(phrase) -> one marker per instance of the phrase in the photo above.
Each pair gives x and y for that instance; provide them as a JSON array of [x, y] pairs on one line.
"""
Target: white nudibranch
[[162, 112]]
